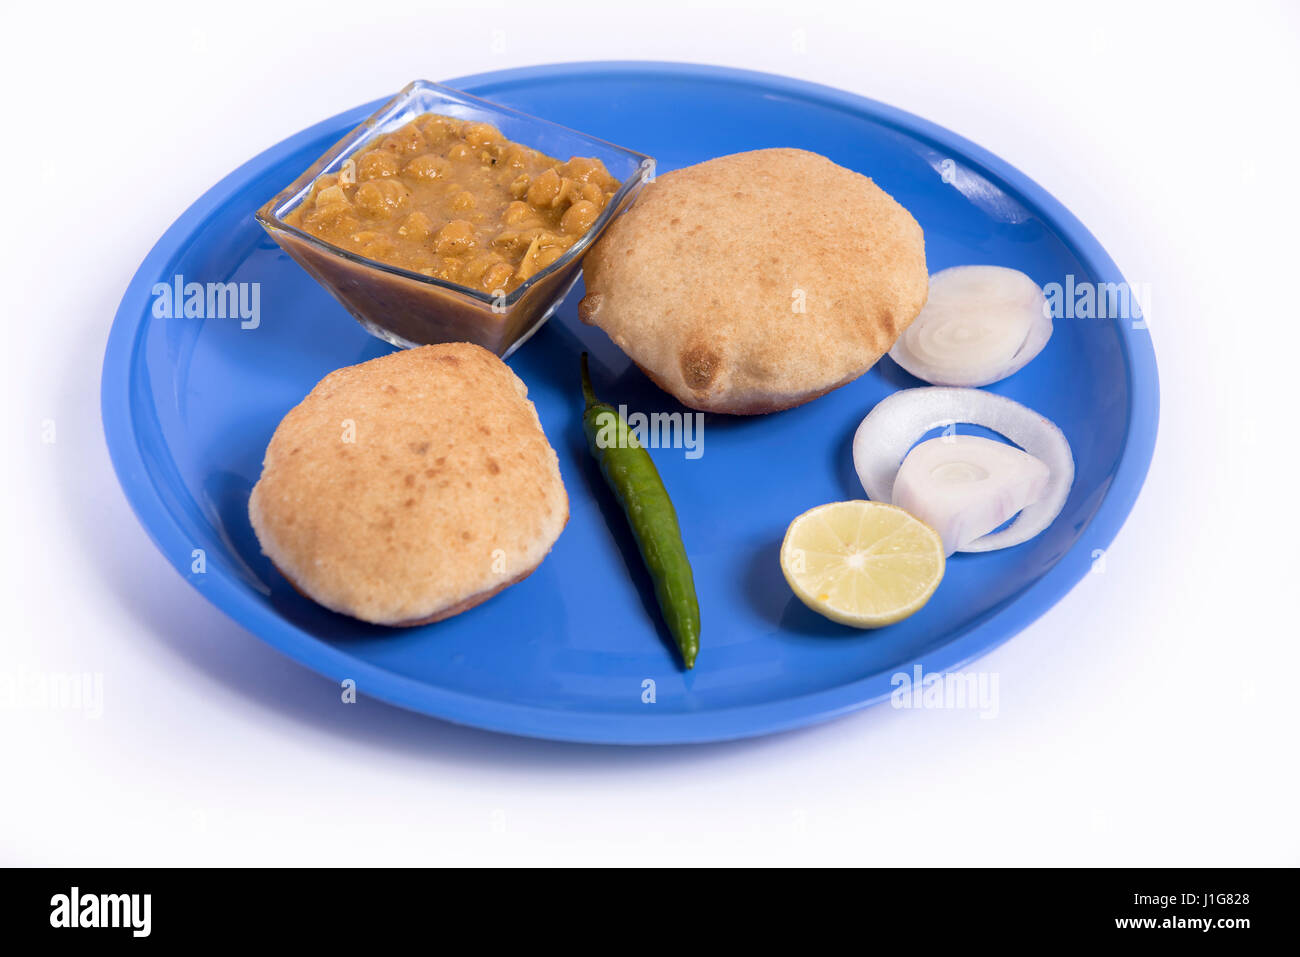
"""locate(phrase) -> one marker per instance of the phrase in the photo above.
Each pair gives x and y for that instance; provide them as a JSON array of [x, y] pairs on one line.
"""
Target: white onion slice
[[980, 324], [888, 433], [965, 486]]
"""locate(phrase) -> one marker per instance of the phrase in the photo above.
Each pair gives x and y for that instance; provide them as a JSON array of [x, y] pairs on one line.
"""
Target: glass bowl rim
[[269, 215]]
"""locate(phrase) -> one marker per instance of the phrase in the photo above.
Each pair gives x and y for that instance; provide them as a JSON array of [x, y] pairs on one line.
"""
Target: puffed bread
[[411, 487], [758, 281]]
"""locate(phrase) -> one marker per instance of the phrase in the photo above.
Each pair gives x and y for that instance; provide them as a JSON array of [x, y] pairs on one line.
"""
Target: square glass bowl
[[408, 308]]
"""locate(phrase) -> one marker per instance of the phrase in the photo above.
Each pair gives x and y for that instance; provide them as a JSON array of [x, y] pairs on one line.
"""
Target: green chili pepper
[[635, 481]]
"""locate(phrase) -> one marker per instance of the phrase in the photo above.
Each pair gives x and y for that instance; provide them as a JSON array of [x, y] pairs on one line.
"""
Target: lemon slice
[[864, 564]]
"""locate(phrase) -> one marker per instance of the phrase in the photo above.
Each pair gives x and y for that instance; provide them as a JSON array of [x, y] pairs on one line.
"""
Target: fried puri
[[757, 282], [411, 487]]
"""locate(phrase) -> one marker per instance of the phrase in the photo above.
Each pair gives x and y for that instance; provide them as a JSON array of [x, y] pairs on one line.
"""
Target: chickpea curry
[[457, 201]]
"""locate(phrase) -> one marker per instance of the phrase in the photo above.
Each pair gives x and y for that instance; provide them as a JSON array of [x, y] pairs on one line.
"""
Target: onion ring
[[897, 422]]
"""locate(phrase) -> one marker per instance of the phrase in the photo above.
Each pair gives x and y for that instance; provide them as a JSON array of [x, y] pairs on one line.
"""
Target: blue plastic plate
[[189, 405]]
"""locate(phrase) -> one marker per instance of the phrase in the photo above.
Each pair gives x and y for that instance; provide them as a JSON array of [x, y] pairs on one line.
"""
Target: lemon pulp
[[861, 563]]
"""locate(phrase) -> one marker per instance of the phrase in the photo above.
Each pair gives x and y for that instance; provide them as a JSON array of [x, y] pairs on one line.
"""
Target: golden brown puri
[[411, 487], [756, 282]]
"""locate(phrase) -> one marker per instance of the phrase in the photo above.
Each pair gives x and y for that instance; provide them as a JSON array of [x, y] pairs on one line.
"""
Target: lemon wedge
[[860, 563]]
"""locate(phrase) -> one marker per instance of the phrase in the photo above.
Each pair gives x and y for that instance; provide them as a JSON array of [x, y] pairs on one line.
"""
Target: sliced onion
[[888, 433], [980, 324], [965, 486]]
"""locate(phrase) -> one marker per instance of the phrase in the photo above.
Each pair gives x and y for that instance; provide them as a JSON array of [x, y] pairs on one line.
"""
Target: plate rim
[[598, 727]]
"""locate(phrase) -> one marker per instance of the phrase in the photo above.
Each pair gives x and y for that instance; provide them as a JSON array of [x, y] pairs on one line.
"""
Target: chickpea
[[396, 193], [463, 200], [461, 151], [593, 194], [578, 218], [516, 213], [581, 168], [404, 142], [577, 167], [483, 134], [428, 166], [544, 188], [511, 241], [456, 238], [381, 198], [380, 247], [497, 276], [377, 164], [448, 270], [514, 156], [475, 268], [417, 226], [439, 128], [369, 198], [336, 217], [547, 256], [568, 192], [520, 186]]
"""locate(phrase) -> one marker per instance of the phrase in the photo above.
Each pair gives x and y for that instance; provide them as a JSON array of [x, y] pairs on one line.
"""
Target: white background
[[1149, 718]]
